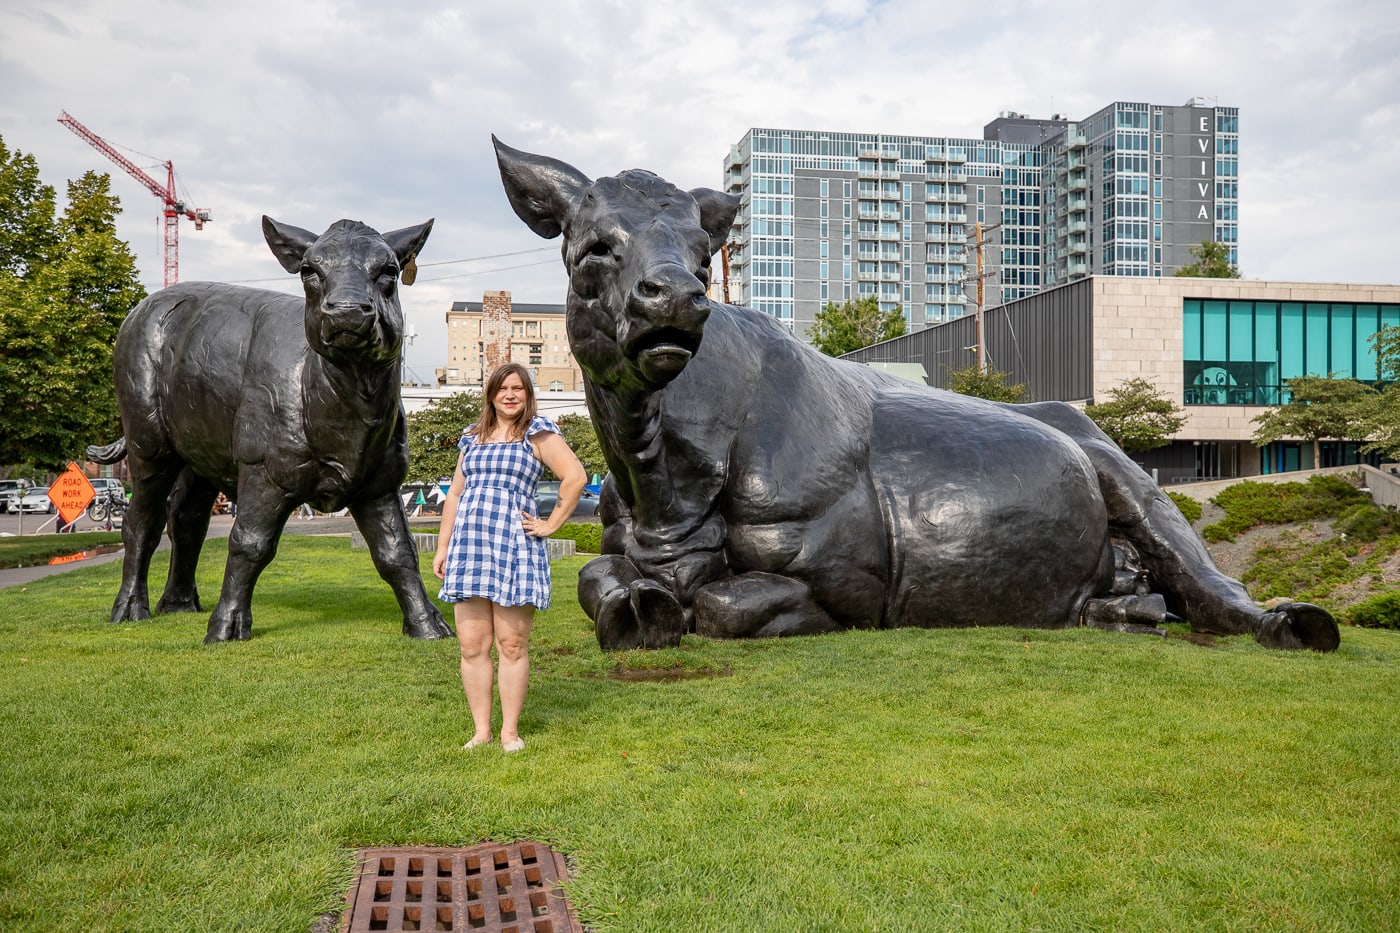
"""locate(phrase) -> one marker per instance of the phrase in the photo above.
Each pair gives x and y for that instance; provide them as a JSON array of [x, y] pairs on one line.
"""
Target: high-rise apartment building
[[828, 216]]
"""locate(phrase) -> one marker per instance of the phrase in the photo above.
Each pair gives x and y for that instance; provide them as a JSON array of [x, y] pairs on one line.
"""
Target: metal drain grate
[[511, 888]]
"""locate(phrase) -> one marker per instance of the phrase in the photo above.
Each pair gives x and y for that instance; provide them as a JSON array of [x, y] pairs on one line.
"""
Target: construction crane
[[174, 207]]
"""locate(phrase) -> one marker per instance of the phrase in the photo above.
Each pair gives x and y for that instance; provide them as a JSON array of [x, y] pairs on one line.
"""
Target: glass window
[[1241, 315], [1342, 359], [1213, 331], [1191, 327], [1291, 341], [1315, 339], [1266, 381], [1367, 323]]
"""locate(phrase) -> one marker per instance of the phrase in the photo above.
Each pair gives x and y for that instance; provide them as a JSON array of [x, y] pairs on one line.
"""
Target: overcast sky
[[313, 110]]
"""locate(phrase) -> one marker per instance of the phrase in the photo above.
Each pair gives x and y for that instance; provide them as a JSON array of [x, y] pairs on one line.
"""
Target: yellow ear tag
[[410, 270]]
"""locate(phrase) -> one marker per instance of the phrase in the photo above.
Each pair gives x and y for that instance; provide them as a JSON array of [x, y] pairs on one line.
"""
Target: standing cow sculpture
[[274, 401], [759, 488]]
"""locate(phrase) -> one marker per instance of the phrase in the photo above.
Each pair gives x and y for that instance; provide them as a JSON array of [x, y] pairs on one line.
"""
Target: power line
[[445, 262]]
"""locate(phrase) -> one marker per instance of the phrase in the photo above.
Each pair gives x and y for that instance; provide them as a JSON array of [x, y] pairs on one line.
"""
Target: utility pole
[[977, 244], [724, 263]]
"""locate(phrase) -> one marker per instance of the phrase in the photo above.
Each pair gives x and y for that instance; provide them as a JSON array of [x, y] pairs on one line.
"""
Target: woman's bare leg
[[474, 633], [512, 625]]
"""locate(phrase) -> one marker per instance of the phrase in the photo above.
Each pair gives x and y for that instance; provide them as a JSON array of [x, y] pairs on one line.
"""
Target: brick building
[[482, 335]]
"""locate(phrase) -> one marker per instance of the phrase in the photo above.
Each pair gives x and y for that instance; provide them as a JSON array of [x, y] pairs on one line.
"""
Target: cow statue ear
[[542, 191], [717, 212], [289, 244], [406, 243]]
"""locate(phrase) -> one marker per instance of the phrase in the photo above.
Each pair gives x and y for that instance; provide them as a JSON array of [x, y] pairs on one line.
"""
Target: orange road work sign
[[71, 493]]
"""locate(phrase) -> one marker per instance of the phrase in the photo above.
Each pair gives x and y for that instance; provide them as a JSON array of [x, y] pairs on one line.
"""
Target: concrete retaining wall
[[1385, 488]]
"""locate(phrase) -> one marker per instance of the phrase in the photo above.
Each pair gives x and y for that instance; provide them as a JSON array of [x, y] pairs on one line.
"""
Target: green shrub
[[587, 536], [1366, 522], [1379, 611], [1189, 507], [1248, 504]]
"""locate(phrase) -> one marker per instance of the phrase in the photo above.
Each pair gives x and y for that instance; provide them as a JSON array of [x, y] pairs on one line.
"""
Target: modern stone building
[[482, 335], [831, 216], [1221, 348]]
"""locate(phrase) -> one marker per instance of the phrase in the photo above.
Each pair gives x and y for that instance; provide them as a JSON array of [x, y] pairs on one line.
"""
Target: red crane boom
[[174, 207]]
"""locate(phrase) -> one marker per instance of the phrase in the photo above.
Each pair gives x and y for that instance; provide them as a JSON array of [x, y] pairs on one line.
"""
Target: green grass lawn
[[986, 779]]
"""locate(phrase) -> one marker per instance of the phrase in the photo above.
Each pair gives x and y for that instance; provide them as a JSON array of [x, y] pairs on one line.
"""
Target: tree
[[66, 285], [1382, 423], [991, 384], [839, 329], [1212, 262], [1137, 416], [1320, 408], [433, 434], [28, 234], [583, 440]]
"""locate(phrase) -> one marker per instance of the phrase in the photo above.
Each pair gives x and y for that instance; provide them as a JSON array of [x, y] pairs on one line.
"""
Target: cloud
[[312, 111]]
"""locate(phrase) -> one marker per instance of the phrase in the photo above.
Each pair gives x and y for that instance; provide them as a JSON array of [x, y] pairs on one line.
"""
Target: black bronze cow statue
[[760, 488], [274, 401]]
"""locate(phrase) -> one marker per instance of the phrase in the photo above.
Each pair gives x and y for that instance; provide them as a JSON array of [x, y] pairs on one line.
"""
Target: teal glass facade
[[1242, 352]]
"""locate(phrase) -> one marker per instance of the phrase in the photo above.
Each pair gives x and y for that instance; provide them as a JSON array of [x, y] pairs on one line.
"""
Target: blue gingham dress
[[489, 553]]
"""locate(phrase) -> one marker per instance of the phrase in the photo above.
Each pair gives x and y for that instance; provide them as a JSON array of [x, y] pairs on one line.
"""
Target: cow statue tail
[[107, 453]]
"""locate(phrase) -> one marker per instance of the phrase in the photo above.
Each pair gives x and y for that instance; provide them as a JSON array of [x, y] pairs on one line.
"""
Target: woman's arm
[[555, 453], [449, 518]]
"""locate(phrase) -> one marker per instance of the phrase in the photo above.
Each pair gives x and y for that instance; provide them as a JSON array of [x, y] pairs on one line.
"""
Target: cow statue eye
[[387, 280]]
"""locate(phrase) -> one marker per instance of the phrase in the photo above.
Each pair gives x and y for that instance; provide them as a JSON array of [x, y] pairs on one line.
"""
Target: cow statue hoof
[[641, 615], [428, 627], [1298, 625], [182, 604], [236, 626], [131, 610]]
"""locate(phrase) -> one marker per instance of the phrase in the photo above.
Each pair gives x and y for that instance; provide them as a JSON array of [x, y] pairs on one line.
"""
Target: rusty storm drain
[[512, 888]]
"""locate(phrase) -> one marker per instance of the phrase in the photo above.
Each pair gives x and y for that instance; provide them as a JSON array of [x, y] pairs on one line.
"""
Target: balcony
[[1078, 267], [1078, 184], [1078, 226], [1078, 247], [886, 154], [1075, 138]]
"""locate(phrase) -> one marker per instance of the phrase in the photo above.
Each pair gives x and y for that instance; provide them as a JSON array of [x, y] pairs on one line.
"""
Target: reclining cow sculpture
[[272, 400], [759, 488]]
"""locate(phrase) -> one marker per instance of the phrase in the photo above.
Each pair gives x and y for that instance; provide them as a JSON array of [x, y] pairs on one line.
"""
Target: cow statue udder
[[759, 488], [272, 400]]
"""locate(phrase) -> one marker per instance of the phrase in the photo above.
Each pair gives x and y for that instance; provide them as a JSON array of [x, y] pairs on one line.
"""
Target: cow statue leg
[[151, 481], [628, 610], [759, 605], [263, 510], [190, 507], [1180, 566], [385, 527]]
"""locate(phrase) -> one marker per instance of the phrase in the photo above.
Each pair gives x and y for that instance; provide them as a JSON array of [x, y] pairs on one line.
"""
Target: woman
[[491, 554]]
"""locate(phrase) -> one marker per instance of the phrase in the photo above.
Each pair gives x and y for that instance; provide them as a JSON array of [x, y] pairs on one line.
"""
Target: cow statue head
[[350, 275], [637, 250]]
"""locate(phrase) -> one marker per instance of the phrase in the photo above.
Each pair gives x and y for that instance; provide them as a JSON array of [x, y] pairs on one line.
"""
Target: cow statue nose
[[671, 295]]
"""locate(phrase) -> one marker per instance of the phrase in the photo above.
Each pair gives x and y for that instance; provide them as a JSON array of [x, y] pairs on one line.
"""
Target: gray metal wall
[[1044, 342]]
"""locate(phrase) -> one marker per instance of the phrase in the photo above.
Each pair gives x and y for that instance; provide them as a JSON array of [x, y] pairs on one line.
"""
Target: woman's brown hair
[[487, 422]]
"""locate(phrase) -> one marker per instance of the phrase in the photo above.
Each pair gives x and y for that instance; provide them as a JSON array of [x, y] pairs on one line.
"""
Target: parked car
[[108, 486], [36, 499], [548, 494], [10, 491]]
